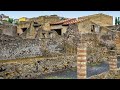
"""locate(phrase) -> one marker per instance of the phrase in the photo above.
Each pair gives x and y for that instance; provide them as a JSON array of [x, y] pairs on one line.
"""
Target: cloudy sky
[[68, 14]]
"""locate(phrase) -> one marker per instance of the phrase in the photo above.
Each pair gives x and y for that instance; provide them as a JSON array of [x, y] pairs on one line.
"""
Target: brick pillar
[[81, 61], [113, 63]]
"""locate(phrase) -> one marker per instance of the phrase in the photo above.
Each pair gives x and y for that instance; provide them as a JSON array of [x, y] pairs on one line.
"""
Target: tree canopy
[[10, 20]]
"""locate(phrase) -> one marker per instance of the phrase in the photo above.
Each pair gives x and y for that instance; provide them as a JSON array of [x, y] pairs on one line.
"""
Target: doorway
[[24, 29], [59, 31]]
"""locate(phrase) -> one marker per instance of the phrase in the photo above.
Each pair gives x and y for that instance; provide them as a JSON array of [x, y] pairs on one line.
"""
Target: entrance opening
[[43, 35], [58, 31], [36, 25], [93, 28], [24, 29]]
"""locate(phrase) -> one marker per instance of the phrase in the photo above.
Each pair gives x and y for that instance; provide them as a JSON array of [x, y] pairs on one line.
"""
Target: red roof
[[71, 22], [74, 21], [68, 21], [63, 21]]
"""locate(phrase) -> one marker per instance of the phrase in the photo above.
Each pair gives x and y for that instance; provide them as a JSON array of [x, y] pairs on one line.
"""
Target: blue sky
[[68, 14]]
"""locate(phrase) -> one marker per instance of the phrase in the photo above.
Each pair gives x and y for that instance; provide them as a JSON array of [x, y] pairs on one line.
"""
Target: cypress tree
[[116, 21], [10, 20]]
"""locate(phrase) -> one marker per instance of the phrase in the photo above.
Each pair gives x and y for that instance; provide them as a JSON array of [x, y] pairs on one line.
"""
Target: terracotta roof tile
[[73, 21], [63, 21], [68, 21]]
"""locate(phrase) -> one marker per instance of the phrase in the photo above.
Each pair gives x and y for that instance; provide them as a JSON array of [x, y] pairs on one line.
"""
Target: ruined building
[[86, 24], [96, 23], [44, 38], [43, 21]]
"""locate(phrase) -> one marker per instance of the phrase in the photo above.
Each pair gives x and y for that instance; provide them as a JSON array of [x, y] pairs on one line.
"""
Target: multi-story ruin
[[49, 43]]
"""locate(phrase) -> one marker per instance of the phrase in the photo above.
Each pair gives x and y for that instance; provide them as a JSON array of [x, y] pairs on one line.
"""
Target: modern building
[[22, 19]]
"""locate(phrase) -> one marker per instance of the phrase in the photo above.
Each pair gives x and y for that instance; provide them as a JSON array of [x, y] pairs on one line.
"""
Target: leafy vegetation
[[10, 20]]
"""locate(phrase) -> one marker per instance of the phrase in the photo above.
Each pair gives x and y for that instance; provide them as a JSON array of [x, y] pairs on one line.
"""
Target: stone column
[[81, 61], [113, 61]]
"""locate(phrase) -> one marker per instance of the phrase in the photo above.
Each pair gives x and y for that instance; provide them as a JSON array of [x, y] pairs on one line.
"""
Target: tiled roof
[[63, 21], [74, 21], [69, 21]]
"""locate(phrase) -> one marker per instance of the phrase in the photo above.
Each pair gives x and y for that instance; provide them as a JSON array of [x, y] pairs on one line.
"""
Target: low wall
[[34, 67], [16, 47], [13, 49]]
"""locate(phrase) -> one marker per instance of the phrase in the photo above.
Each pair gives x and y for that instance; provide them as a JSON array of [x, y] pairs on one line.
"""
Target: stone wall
[[117, 41], [98, 46], [12, 49], [102, 19], [16, 47], [8, 30], [85, 26], [33, 67], [44, 21]]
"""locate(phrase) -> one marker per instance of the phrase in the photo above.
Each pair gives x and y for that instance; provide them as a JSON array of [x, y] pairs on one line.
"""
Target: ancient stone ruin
[[34, 49]]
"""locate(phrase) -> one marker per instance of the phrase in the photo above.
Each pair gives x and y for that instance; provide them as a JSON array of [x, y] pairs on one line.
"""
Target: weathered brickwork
[[81, 61], [113, 63]]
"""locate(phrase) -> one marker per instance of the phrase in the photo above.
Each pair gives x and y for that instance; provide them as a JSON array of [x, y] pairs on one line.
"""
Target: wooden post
[[81, 60]]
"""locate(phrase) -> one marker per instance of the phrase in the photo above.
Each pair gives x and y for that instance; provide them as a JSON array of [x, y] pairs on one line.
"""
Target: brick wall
[[81, 61]]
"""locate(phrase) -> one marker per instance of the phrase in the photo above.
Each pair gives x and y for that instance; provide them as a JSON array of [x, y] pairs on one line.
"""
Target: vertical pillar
[[81, 61], [113, 63]]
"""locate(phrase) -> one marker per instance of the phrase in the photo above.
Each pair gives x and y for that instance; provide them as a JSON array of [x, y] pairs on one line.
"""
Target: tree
[[16, 23], [116, 21], [10, 20]]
